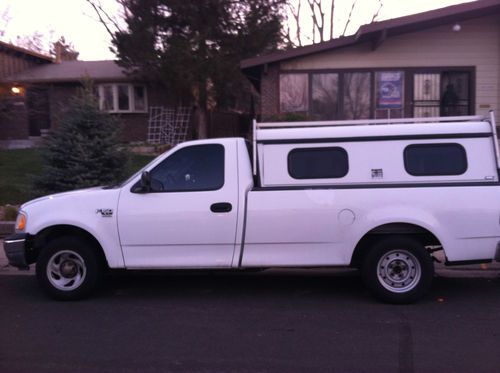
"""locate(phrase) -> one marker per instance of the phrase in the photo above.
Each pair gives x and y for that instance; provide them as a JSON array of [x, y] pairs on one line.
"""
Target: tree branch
[[349, 17], [104, 18]]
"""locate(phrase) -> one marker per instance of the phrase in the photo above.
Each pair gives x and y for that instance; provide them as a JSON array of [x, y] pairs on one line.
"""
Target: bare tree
[[318, 19], [377, 13], [112, 22], [294, 11], [4, 20], [321, 16]]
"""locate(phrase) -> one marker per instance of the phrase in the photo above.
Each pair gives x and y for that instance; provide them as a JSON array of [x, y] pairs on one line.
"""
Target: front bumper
[[16, 249]]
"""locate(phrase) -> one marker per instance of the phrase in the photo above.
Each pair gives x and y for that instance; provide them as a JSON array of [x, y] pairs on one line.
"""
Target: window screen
[[194, 168], [318, 163], [435, 159]]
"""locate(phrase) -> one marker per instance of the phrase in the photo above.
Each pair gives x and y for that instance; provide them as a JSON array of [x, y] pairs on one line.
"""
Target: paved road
[[321, 322]]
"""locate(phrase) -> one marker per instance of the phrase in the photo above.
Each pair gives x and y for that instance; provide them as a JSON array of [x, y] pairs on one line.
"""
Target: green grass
[[19, 166]]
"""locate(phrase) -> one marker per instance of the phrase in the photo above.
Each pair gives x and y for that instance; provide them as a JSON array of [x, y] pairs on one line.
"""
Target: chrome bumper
[[15, 247]]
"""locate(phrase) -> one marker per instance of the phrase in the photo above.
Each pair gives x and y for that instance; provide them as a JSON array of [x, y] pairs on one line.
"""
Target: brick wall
[[269, 95]]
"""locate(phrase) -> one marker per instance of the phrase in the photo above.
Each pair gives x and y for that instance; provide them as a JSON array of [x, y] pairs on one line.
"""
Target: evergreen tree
[[83, 151]]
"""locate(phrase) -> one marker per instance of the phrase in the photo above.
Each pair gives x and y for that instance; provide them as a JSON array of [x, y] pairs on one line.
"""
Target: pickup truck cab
[[378, 195]]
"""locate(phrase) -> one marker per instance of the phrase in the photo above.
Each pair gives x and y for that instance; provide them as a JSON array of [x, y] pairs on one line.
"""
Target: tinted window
[[194, 168], [317, 163], [435, 159]]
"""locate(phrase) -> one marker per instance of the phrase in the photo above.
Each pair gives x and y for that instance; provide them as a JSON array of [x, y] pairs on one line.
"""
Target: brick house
[[441, 62], [35, 90]]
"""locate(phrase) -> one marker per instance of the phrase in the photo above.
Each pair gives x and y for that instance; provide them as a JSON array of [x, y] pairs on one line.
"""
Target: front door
[[445, 93], [38, 110], [189, 220]]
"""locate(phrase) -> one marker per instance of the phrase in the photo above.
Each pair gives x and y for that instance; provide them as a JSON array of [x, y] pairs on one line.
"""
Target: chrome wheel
[[66, 270], [399, 271]]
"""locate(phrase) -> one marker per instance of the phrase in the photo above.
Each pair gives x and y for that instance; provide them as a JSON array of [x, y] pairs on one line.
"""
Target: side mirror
[[145, 181]]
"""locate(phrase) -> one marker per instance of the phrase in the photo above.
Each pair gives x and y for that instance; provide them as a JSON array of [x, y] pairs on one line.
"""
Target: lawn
[[18, 166]]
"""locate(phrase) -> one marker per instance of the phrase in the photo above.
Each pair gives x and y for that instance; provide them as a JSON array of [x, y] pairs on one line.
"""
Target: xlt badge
[[107, 213]]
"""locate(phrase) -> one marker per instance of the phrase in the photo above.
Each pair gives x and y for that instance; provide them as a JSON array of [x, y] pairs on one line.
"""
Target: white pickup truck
[[378, 195]]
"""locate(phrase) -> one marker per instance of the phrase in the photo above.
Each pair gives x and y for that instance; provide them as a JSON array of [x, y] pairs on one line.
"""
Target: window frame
[[115, 94], [303, 150], [435, 145]]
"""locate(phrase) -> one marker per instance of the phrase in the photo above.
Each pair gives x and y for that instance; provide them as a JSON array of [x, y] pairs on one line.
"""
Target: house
[[444, 62], [35, 90]]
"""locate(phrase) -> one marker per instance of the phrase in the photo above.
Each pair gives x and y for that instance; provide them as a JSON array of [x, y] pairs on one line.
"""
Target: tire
[[68, 268], [398, 270]]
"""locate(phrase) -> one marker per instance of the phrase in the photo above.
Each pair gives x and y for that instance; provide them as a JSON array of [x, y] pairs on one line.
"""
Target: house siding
[[476, 45], [11, 63]]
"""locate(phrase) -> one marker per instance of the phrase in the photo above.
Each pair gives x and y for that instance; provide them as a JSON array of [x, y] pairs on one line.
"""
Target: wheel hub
[[68, 269], [399, 271]]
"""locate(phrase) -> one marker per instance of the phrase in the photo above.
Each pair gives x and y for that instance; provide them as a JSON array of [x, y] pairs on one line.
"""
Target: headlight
[[21, 221]]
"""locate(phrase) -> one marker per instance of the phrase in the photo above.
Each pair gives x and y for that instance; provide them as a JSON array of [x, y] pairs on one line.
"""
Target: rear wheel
[[68, 268], [398, 269]]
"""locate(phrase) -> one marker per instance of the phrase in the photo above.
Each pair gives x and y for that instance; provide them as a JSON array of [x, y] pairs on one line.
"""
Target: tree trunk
[[202, 110], [202, 123]]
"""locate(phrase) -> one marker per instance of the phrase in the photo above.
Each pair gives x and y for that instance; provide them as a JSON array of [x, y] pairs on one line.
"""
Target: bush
[[9, 213], [83, 152]]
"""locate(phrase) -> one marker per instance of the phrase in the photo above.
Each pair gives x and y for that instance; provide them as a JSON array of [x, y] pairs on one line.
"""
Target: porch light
[[15, 90]]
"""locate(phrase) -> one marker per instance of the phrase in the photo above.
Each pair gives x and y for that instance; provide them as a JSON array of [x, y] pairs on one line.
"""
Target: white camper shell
[[378, 150]]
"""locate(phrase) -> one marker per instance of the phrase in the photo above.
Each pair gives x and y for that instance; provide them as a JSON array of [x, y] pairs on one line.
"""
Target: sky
[[77, 22]]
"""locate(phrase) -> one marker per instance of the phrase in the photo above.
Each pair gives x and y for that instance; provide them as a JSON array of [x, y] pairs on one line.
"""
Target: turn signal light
[[20, 222]]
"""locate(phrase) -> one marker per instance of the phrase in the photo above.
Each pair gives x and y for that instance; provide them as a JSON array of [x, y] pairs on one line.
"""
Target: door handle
[[221, 207]]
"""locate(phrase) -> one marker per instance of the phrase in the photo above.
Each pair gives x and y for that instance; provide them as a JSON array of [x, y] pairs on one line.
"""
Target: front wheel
[[398, 270], [68, 268]]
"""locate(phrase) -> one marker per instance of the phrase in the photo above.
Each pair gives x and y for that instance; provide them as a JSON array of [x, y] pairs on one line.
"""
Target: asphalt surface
[[273, 321], [322, 321]]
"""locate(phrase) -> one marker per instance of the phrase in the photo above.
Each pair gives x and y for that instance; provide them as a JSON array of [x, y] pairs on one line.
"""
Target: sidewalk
[[488, 270]]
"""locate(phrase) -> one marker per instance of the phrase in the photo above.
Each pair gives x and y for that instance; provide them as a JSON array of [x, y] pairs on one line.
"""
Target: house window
[[324, 105], [357, 95], [435, 159], [294, 93], [318, 163], [122, 98]]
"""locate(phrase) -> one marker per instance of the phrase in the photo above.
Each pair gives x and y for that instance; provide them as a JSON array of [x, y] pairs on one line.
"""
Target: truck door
[[189, 218]]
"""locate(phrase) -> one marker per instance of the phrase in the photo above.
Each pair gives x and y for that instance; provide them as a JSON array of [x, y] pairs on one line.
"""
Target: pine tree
[[83, 151]]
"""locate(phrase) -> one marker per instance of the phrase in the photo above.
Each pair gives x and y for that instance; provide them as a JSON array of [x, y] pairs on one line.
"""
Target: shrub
[[83, 151], [9, 213]]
